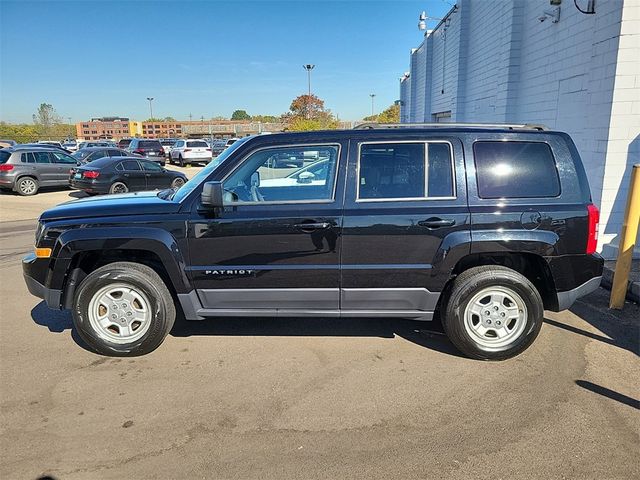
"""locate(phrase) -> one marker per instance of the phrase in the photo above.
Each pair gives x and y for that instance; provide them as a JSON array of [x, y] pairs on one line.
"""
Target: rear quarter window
[[515, 170], [4, 156]]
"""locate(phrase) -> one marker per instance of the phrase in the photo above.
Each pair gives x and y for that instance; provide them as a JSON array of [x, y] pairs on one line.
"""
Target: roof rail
[[504, 126]]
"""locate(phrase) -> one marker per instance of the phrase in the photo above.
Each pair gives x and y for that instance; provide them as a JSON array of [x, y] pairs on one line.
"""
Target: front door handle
[[309, 227], [435, 222]]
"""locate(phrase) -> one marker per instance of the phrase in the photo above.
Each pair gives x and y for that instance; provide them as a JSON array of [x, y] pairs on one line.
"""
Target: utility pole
[[372, 95], [308, 67], [150, 106], [70, 130], [190, 118]]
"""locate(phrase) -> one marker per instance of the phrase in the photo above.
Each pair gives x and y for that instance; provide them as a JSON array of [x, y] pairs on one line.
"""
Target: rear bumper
[[30, 271], [566, 299]]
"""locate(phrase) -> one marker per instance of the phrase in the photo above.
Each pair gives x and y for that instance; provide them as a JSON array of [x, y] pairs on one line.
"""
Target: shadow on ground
[[425, 334]]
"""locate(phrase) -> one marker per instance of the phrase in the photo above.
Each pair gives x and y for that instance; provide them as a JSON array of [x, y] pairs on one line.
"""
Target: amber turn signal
[[43, 252]]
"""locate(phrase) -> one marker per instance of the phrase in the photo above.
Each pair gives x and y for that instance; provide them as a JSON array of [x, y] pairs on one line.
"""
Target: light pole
[[308, 67], [372, 95], [70, 130], [150, 107]]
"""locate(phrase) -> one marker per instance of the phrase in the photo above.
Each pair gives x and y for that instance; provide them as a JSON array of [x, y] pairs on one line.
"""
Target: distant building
[[161, 129], [535, 62], [111, 128]]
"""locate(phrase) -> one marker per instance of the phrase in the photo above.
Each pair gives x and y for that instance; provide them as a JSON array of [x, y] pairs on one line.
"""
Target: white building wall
[[580, 75]]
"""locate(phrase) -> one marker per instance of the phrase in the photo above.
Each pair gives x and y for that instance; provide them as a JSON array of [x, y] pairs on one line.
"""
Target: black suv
[[481, 226]]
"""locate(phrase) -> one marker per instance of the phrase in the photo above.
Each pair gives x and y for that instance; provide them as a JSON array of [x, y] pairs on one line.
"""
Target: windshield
[[188, 187], [80, 154]]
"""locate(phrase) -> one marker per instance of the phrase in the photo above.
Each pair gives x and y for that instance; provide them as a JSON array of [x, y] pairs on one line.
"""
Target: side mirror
[[211, 196], [306, 177]]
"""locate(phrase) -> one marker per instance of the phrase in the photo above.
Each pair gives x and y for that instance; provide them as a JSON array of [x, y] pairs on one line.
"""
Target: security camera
[[553, 14]]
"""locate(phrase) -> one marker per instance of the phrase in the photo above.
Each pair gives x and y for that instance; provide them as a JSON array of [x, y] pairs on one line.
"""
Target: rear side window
[[4, 156], [515, 170], [130, 165], [197, 144], [405, 171]]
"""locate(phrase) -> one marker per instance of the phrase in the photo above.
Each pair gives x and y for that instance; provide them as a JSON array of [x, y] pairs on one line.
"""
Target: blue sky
[[207, 58]]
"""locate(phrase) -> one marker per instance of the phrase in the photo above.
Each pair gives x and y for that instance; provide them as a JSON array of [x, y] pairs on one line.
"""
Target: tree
[[168, 119], [390, 115], [307, 112], [240, 115], [46, 118], [265, 118]]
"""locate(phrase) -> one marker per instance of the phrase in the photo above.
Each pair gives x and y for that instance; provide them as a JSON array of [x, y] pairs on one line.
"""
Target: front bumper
[[32, 270]]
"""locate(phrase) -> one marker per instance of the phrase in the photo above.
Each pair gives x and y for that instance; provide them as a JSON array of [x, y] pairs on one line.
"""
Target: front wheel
[[123, 309], [177, 183], [493, 313]]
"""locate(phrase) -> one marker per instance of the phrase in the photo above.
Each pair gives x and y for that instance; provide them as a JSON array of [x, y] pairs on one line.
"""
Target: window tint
[[117, 153], [151, 166], [42, 157], [131, 165], [4, 156], [150, 144], [266, 176], [197, 144], [515, 170], [27, 158], [62, 158], [405, 171]]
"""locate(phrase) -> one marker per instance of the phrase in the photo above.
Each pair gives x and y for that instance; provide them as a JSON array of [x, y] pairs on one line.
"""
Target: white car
[[314, 174], [185, 152], [72, 146]]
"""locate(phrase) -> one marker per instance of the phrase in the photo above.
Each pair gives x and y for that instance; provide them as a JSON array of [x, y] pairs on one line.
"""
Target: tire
[[146, 305], [27, 186], [177, 183], [118, 187], [515, 315], [180, 161]]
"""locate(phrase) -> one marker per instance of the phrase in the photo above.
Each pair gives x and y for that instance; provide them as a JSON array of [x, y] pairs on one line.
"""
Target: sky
[[207, 58]]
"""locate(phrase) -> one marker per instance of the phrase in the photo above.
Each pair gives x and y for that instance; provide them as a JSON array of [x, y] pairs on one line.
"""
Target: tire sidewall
[[459, 300], [116, 183], [152, 338]]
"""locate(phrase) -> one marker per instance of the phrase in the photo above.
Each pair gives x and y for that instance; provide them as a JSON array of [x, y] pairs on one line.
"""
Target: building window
[[442, 117]]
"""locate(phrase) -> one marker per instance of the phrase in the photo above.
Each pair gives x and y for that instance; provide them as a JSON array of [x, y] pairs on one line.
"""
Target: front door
[[156, 176], [63, 163], [404, 199], [275, 248]]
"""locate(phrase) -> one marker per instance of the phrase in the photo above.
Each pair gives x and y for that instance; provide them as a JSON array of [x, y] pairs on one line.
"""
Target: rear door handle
[[435, 222], [309, 227]]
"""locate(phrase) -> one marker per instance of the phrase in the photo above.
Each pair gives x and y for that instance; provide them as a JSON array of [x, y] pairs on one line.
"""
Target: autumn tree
[[307, 112], [390, 115]]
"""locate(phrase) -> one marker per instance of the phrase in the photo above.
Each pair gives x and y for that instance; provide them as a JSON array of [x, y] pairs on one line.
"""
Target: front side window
[[62, 158], [277, 175], [405, 171], [151, 167], [515, 170]]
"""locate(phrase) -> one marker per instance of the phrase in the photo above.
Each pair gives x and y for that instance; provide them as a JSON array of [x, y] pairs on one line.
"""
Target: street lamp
[[150, 107], [372, 95], [308, 67], [70, 130]]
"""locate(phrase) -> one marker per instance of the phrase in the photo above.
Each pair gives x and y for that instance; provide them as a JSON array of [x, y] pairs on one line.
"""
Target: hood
[[138, 203]]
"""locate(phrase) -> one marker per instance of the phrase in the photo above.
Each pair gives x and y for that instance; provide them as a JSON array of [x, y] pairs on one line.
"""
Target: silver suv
[[25, 170]]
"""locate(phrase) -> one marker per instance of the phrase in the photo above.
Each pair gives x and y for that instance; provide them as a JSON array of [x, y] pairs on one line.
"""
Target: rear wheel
[[181, 161], [123, 309], [493, 313], [27, 186], [118, 187]]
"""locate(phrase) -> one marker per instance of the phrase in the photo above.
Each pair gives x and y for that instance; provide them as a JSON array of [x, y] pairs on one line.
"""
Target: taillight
[[594, 221], [6, 167], [91, 174], [187, 149], [208, 149], [139, 151]]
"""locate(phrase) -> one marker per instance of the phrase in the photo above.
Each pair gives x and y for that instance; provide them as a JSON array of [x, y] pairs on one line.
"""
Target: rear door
[[155, 175], [405, 204], [134, 176], [47, 171]]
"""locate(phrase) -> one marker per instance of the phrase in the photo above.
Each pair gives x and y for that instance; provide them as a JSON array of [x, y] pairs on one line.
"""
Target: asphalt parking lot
[[312, 398]]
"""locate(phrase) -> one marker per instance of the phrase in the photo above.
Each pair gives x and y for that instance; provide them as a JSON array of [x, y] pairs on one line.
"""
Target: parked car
[[483, 227], [70, 145], [42, 145], [230, 141], [98, 143], [122, 175], [7, 143], [89, 154], [26, 169], [124, 143], [54, 143], [185, 152], [167, 143], [313, 175], [152, 149], [217, 147]]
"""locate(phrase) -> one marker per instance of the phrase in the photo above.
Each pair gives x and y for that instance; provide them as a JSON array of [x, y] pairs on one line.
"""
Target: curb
[[633, 288]]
